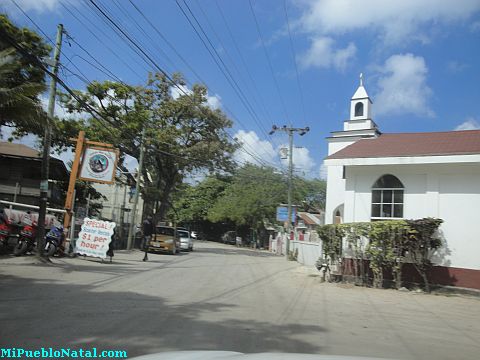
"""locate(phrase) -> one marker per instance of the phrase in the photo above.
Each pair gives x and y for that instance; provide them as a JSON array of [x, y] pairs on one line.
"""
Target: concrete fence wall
[[308, 252]]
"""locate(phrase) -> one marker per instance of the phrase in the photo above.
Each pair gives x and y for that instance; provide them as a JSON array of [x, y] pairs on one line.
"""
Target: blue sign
[[282, 213]]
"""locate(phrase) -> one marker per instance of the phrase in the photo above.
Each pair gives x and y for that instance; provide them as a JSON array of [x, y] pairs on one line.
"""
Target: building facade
[[375, 176]]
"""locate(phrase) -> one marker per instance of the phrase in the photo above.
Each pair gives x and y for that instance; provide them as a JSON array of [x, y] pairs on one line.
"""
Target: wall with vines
[[381, 247]]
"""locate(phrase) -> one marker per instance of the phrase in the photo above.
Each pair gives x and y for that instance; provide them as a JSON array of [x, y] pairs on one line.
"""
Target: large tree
[[255, 192], [193, 203], [183, 134], [21, 81]]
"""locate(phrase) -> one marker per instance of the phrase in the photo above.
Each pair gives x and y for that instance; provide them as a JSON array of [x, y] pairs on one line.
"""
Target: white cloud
[[180, 90], [402, 86], [214, 102], [59, 110], [254, 148], [322, 54], [393, 21], [303, 163], [469, 124], [322, 172], [39, 6], [28, 140]]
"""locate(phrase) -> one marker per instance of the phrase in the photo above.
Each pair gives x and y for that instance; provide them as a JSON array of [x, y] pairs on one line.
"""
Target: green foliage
[[331, 236], [21, 82], [386, 244], [183, 134], [193, 203], [252, 197], [421, 243], [355, 237], [245, 199]]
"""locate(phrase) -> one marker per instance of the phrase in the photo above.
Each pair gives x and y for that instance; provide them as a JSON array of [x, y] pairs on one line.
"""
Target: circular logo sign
[[98, 163]]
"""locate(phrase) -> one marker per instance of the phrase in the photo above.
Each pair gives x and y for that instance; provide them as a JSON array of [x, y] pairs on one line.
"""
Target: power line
[[155, 28], [220, 63], [145, 55], [84, 78], [34, 23], [217, 36], [94, 34], [269, 62], [294, 58], [259, 95]]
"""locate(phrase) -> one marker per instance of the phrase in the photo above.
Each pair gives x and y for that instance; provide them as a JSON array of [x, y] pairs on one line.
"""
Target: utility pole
[[137, 190], [42, 212], [290, 130]]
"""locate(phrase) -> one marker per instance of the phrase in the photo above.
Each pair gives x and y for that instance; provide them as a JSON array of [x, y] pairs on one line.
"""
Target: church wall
[[447, 191], [335, 192], [335, 182], [357, 125], [459, 206]]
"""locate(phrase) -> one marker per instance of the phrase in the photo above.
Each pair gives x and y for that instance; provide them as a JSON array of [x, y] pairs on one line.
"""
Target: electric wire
[[145, 55], [294, 59], [155, 28], [95, 35], [269, 62], [84, 78], [232, 60], [219, 62], [242, 58]]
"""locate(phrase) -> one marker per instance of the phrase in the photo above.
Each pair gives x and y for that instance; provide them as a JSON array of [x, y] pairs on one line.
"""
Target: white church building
[[372, 176]]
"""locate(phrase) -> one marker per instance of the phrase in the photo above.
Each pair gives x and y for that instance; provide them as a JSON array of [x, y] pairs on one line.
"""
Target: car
[[165, 239], [229, 237], [186, 241]]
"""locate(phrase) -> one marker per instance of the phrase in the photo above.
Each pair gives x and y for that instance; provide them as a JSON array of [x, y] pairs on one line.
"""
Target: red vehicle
[[26, 240], [5, 231]]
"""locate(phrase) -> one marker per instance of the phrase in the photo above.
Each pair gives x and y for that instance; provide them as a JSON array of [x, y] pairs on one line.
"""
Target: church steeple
[[360, 104], [360, 124]]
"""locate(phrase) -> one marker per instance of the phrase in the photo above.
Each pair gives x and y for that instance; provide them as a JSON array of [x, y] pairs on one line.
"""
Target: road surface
[[220, 297]]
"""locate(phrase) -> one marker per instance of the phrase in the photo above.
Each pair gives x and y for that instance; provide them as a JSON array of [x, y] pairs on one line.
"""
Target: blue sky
[[419, 59]]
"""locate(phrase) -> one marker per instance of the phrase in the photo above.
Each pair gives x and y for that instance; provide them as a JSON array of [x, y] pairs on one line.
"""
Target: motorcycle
[[26, 240], [53, 240], [5, 232]]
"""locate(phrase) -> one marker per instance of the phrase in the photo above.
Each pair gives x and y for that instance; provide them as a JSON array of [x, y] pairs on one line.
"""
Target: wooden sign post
[[78, 163], [73, 178]]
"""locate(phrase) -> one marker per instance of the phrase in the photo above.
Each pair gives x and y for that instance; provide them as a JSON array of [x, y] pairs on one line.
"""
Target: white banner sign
[[94, 238], [99, 165]]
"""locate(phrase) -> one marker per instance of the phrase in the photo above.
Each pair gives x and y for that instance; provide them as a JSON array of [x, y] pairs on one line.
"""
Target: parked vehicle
[[165, 239], [229, 237], [5, 231], [26, 240], [186, 241], [53, 240], [8, 233]]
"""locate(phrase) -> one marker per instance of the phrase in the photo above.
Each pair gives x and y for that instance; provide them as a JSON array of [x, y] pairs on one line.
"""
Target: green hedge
[[387, 245]]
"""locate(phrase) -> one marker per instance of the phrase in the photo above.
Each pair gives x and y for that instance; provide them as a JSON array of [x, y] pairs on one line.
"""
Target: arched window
[[337, 214], [359, 109], [387, 198]]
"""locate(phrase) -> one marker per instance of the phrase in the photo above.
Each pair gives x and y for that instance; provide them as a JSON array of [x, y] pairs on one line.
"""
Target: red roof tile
[[413, 144]]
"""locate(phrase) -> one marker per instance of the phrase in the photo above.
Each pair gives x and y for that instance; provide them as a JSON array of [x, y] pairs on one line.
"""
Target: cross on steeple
[[361, 79]]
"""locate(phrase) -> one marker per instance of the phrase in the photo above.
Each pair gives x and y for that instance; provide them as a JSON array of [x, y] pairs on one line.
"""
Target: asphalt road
[[223, 298]]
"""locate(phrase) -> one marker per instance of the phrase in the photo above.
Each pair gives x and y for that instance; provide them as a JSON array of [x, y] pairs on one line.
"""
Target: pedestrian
[[111, 245], [147, 235]]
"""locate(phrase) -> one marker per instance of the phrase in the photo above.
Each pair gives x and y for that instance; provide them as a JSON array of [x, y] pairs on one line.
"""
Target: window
[[387, 198], [359, 109]]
